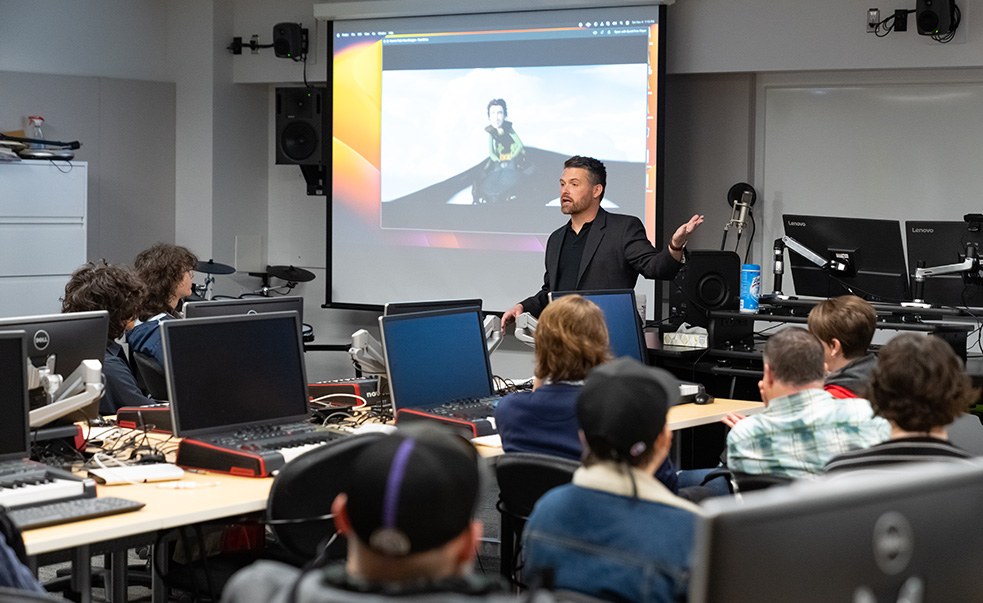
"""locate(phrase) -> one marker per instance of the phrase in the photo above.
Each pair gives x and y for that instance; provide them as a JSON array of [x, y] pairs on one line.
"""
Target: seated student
[[118, 291], [845, 325], [571, 339], [616, 533], [920, 387], [803, 426], [166, 271], [407, 515]]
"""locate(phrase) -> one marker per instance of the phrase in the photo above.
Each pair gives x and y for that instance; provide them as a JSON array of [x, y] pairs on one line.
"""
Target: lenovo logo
[[795, 223], [922, 230]]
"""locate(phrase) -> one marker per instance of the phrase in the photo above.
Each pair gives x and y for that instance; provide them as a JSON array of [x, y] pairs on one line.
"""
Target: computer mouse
[[702, 397]]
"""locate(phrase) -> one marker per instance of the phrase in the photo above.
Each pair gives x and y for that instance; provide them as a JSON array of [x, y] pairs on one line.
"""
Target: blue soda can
[[750, 287]]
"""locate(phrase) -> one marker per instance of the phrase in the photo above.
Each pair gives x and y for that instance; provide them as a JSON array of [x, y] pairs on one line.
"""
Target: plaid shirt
[[797, 434]]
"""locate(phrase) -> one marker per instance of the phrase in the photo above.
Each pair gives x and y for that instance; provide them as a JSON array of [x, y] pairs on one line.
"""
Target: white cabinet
[[42, 233]]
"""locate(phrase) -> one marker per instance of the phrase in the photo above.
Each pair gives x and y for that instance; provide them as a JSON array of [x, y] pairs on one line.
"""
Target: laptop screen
[[621, 317], [436, 357], [13, 396], [234, 371]]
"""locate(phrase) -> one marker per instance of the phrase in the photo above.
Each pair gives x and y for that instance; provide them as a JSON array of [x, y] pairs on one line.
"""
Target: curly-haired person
[[100, 286], [920, 387], [166, 271]]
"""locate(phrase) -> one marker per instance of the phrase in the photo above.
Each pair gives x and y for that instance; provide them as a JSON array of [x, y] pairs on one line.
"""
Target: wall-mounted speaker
[[933, 17], [302, 126], [289, 41], [709, 280]]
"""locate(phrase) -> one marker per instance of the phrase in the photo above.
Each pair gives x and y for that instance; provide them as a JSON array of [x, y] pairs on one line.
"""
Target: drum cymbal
[[213, 267], [290, 273]]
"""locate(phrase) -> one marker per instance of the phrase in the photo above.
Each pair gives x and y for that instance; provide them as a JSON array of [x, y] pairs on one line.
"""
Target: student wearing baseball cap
[[407, 515], [616, 532]]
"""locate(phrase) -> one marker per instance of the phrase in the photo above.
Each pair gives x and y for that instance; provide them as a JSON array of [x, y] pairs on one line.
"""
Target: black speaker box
[[302, 127], [933, 17], [709, 280], [289, 41]]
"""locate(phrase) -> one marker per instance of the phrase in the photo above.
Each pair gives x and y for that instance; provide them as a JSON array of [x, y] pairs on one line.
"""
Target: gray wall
[[225, 183], [126, 128]]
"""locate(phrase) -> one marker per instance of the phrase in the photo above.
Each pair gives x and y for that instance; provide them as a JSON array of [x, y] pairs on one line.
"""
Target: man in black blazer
[[597, 249]]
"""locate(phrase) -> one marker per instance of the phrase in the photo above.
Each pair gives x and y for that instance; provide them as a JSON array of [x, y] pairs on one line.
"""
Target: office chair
[[299, 507], [149, 375], [14, 595], [523, 477], [966, 432], [739, 482]]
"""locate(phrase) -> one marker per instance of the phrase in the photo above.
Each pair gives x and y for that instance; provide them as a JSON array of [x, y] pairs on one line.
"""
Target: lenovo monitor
[[870, 251]]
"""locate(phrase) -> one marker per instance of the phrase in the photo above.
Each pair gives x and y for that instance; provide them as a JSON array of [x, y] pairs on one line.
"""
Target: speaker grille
[[298, 141]]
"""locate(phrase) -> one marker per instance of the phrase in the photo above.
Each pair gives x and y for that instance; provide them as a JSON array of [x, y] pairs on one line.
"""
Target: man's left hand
[[682, 234]]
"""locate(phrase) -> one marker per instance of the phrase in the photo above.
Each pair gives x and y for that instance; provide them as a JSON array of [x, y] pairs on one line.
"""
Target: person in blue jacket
[[166, 271]]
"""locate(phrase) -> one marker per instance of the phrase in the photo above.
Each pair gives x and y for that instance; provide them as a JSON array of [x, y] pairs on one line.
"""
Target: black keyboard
[[39, 516], [23, 478], [471, 417], [467, 408]]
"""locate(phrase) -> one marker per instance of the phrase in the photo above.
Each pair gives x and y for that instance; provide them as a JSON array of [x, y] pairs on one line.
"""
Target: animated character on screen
[[497, 176]]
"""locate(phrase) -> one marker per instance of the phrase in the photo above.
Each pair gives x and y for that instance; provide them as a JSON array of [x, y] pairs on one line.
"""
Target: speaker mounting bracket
[[316, 176]]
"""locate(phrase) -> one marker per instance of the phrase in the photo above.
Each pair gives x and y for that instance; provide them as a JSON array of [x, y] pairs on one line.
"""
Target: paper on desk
[[489, 441]]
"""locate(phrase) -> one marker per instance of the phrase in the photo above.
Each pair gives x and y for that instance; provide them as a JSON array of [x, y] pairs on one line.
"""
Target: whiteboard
[[904, 145]]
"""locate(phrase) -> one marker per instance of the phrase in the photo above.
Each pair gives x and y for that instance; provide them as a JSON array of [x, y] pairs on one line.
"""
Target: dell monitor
[[621, 317], [870, 251], [249, 305], [393, 308], [910, 534], [938, 244], [66, 339]]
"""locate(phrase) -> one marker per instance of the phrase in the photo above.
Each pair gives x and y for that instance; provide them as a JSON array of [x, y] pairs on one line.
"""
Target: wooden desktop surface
[[680, 417], [214, 496], [691, 415], [208, 496]]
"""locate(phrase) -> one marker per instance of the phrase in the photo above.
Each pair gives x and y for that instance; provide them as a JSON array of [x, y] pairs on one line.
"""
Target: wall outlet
[[873, 18]]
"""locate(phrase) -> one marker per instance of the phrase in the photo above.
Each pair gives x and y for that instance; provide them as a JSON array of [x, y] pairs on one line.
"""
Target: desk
[[679, 417], [166, 508]]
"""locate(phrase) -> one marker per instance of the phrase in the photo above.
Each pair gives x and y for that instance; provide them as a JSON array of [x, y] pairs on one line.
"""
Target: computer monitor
[[871, 248], [14, 444], [937, 244], [394, 308], [622, 319], [69, 338], [249, 305], [858, 538], [227, 372], [436, 357]]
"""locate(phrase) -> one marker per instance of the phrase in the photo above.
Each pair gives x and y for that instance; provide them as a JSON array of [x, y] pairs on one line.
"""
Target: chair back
[[14, 595], [300, 499], [966, 432], [149, 375], [523, 477], [747, 482]]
